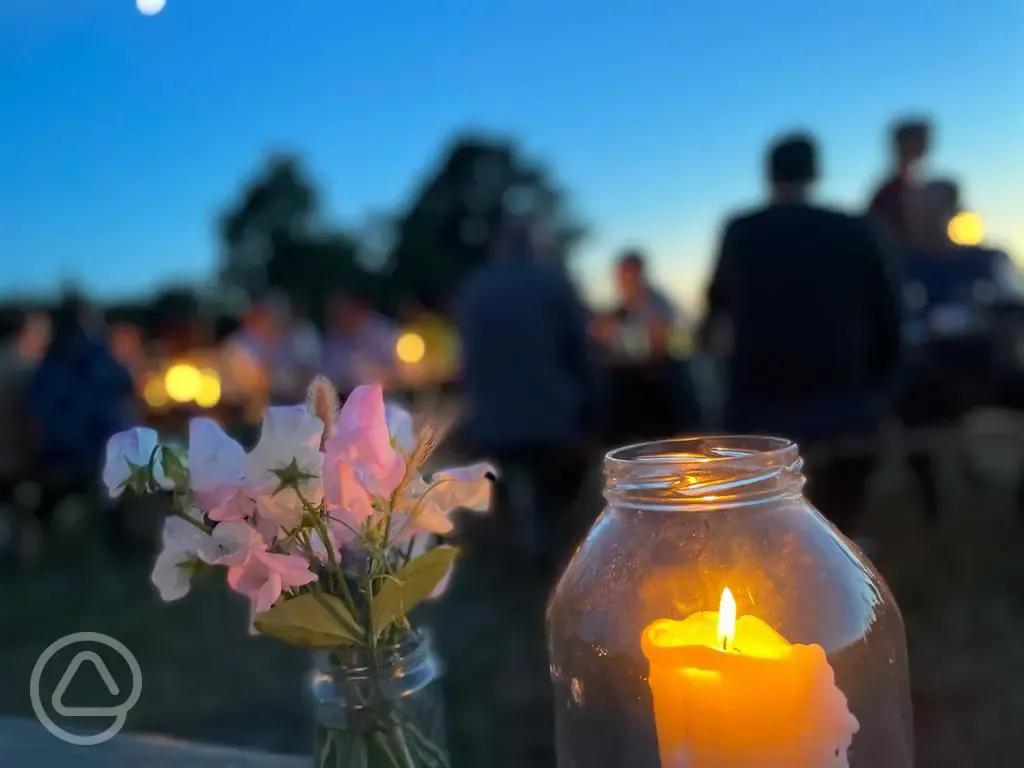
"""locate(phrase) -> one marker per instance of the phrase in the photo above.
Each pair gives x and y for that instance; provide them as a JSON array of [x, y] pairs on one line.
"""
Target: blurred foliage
[[273, 235], [446, 231], [278, 205]]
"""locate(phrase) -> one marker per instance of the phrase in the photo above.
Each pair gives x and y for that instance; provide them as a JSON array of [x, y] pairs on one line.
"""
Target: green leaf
[[174, 467], [138, 478], [411, 584], [310, 621]]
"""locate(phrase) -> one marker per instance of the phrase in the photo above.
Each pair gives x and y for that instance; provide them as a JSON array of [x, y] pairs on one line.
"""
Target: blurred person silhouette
[[952, 295], [16, 455], [360, 344], [276, 350], [643, 309], [78, 397], [245, 352], [128, 349], [911, 140], [533, 391], [295, 354], [653, 395], [804, 309]]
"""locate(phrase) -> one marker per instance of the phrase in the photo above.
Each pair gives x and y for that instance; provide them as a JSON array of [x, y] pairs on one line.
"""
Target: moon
[[150, 7]]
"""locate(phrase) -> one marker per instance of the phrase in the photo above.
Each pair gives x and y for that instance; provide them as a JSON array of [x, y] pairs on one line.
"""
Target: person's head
[[910, 142], [346, 312], [36, 333], [126, 342], [792, 166], [930, 208], [267, 313], [631, 276]]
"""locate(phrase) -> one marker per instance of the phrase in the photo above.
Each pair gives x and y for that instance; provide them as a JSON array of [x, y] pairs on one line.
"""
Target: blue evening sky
[[122, 135]]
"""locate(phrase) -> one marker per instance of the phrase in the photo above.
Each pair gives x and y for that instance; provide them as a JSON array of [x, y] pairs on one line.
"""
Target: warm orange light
[[726, 620], [183, 382], [966, 228], [410, 348], [154, 393], [209, 389]]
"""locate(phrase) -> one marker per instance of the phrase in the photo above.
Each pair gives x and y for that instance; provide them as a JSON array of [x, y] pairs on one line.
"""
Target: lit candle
[[734, 693]]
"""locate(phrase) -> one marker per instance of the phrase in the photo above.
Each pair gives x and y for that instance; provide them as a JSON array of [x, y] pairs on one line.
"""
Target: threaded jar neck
[[703, 473]]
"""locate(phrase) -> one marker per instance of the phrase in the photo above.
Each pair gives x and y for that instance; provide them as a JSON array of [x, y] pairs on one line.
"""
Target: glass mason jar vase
[[712, 618], [379, 708]]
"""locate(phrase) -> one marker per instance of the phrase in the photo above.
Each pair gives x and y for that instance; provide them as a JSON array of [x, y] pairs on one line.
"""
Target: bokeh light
[[183, 382], [410, 348], [209, 389], [154, 393], [966, 228], [150, 7]]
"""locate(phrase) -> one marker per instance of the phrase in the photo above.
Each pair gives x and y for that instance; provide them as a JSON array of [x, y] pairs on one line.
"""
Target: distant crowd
[[820, 325]]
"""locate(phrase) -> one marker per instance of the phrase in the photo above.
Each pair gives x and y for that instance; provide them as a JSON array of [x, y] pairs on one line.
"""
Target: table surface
[[26, 744]]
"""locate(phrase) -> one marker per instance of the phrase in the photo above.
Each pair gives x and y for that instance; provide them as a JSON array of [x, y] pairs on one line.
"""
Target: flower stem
[[192, 521]]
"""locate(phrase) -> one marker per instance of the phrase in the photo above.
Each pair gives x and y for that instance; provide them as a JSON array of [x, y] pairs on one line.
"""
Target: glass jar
[[379, 708], [813, 672]]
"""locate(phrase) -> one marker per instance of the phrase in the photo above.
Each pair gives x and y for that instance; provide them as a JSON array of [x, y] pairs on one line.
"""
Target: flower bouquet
[[327, 526]]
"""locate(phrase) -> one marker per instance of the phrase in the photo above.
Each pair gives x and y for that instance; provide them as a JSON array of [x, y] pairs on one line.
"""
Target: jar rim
[[704, 450], [703, 472]]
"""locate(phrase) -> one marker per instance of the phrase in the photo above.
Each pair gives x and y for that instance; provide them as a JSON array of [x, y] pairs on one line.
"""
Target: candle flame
[[726, 620]]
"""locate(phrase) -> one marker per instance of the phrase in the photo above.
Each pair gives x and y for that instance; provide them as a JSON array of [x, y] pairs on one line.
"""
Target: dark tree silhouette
[[310, 269], [445, 232], [279, 205]]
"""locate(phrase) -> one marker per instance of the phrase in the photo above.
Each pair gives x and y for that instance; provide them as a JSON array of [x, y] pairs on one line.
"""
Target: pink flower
[[265, 575], [253, 570], [363, 440], [347, 501]]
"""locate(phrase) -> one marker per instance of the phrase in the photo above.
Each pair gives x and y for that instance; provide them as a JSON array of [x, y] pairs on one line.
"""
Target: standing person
[[533, 390], [642, 306], [910, 143], [804, 309], [244, 355], [956, 292], [360, 344], [653, 393], [79, 396], [295, 355], [275, 352], [16, 446]]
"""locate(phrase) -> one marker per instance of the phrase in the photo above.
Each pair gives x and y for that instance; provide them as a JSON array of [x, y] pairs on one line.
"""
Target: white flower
[[401, 427], [172, 573], [128, 450], [431, 504], [214, 459], [451, 489], [216, 469], [290, 440], [230, 544]]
